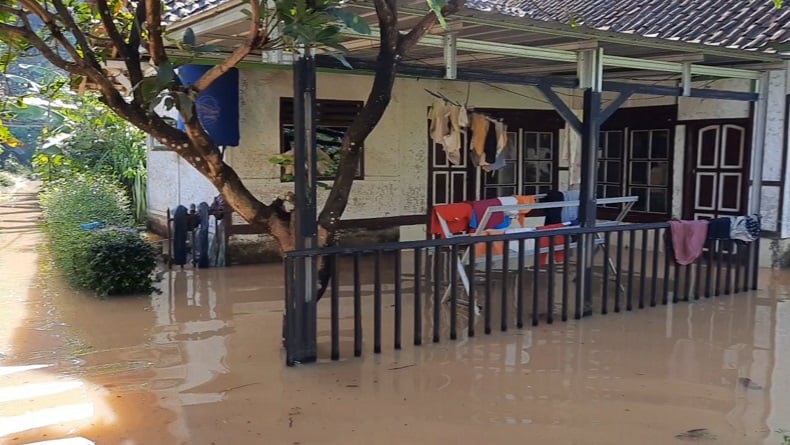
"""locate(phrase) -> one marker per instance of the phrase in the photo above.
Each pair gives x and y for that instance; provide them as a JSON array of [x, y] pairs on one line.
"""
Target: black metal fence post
[[587, 212], [542, 258], [301, 336]]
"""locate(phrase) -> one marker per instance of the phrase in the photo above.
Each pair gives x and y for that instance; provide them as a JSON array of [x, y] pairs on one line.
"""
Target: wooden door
[[718, 169], [447, 182]]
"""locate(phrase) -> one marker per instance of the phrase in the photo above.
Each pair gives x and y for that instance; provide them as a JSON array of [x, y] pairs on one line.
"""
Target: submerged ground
[[201, 364]]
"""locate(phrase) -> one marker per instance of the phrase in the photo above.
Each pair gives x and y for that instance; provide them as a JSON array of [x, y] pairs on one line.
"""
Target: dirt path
[[19, 238], [201, 364]]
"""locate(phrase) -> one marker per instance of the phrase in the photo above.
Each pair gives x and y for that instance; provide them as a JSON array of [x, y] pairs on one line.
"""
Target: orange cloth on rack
[[497, 247], [457, 217], [559, 256], [522, 200]]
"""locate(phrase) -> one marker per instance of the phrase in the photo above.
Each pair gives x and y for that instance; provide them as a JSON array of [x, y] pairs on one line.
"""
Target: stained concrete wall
[[396, 175], [396, 180]]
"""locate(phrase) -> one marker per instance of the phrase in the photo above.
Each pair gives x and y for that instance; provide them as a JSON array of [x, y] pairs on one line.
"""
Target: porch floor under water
[[202, 363]]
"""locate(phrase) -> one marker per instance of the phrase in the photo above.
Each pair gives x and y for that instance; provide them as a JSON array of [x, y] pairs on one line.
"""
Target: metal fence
[[414, 291]]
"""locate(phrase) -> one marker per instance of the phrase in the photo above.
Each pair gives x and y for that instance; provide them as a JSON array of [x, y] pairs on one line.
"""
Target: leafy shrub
[[126, 261], [93, 139], [121, 262]]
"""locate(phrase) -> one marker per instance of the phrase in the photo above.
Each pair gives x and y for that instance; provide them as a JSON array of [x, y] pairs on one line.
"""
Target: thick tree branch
[[88, 56], [112, 31], [254, 39], [153, 17], [40, 45], [133, 52], [10, 10], [78, 67], [50, 21], [386, 13], [197, 134], [195, 147], [392, 47], [422, 27], [367, 119]]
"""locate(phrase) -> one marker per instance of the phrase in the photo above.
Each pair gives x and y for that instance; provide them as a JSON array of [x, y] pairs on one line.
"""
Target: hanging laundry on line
[[448, 119], [489, 140]]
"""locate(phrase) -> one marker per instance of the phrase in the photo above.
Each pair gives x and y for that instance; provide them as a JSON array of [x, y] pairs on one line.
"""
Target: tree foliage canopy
[[81, 36]]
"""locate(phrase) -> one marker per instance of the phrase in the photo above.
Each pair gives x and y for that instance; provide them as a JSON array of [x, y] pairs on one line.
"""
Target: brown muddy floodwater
[[201, 363]]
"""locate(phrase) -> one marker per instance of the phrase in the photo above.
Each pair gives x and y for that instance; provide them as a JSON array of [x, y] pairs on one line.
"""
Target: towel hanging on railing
[[688, 239]]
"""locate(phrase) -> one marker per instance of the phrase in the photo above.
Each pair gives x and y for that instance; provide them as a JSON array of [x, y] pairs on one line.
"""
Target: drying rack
[[513, 210]]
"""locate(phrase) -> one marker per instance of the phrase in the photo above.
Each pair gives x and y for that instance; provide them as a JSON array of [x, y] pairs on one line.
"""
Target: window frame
[[628, 121], [649, 160], [332, 114], [520, 183]]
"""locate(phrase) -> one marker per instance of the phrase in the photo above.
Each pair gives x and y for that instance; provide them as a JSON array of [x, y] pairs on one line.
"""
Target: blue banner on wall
[[218, 105]]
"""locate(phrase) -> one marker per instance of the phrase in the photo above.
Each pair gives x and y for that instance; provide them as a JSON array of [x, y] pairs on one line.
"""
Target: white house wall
[[773, 154], [695, 109], [395, 159], [395, 156]]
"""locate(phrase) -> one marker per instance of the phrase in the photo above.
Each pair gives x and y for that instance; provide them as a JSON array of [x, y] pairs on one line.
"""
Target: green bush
[[108, 262], [121, 262], [95, 140]]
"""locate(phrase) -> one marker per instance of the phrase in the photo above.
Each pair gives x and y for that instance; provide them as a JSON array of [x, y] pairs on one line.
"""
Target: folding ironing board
[[529, 251]]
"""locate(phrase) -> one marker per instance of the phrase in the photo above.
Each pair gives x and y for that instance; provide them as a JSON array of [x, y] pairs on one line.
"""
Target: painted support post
[[686, 79], [590, 76], [301, 295], [591, 124], [450, 57], [758, 143], [590, 127]]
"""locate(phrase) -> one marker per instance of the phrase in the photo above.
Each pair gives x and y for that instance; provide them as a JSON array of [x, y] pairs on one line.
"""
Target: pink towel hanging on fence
[[688, 239]]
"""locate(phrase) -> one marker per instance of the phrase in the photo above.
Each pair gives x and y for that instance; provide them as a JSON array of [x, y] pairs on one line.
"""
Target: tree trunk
[[378, 100], [198, 151]]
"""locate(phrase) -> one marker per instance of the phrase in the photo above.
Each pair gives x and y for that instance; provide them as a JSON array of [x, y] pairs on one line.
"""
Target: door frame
[[690, 159]]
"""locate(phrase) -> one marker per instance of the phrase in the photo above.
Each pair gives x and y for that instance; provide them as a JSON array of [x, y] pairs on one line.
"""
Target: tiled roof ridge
[[744, 24]]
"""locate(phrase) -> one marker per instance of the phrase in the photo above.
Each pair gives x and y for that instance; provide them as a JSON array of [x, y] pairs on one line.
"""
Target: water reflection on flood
[[201, 363]]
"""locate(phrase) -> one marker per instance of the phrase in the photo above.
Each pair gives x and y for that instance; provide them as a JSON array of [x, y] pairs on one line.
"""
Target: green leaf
[[436, 6], [6, 137], [188, 37], [351, 20], [149, 88], [342, 59], [166, 72]]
